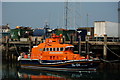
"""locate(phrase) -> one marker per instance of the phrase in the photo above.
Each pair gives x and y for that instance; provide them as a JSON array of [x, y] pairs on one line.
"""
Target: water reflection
[[31, 74], [28, 74]]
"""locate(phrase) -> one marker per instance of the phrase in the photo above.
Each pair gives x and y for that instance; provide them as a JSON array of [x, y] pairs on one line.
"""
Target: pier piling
[[7, 46], [79, 44], [36, 41], [86, 46], [31, 44], [104, 47], [71, 39]]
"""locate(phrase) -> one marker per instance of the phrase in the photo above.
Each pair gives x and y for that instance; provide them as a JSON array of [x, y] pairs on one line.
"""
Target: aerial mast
[[66, 13], [87, 20]]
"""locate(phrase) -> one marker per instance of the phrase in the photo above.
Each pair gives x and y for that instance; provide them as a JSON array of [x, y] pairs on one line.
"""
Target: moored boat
[[54, 55]]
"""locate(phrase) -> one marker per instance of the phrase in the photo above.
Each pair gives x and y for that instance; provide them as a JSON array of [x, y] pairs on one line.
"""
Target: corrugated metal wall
[[112, 29], [99, 28], [104, 27]]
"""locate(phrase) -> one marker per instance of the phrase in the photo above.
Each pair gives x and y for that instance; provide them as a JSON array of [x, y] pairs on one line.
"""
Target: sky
[[35, 14], [59, 0], [0, 13]]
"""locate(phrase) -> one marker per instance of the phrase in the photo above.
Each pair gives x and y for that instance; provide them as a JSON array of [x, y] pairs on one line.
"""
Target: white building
[[5, 28]]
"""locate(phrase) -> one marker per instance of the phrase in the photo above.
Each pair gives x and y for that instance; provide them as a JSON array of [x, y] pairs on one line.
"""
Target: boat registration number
[[76, 65]]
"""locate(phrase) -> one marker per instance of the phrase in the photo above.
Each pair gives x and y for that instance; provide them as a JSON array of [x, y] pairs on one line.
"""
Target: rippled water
[[12, 71]]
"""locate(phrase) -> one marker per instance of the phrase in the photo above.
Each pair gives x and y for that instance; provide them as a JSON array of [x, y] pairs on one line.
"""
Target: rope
[[112, 60], [112, 52], [109, 61]]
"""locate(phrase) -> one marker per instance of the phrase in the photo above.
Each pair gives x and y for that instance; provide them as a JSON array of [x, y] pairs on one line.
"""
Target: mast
[[66, 13], [46, 27], [87, 20]]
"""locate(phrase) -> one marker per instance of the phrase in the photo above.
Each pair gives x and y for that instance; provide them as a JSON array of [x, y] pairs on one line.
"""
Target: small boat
[[54, 55]]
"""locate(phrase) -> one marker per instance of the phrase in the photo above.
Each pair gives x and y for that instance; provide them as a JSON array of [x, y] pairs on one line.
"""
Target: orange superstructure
[[53, 49]]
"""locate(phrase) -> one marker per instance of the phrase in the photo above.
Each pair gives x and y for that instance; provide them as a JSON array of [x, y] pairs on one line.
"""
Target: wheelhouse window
[[67, 49], [57, 49], [61, 49], [71, 48], [44, 49], [47, 49], [54, 49], [50, 49]]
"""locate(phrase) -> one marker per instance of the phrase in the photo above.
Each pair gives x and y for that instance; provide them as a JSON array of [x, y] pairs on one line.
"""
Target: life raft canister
[[25, 56]]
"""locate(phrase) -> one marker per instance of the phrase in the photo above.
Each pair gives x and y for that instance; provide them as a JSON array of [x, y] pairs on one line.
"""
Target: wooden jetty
[[86, 45]]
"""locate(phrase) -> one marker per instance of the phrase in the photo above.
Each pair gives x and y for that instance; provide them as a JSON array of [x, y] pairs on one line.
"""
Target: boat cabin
[[53, 49]]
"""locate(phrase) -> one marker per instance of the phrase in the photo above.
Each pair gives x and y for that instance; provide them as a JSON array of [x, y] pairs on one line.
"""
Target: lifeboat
[[54, 55]]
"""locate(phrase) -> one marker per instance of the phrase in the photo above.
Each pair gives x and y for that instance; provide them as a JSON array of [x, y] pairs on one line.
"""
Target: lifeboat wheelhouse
[[53, 49]]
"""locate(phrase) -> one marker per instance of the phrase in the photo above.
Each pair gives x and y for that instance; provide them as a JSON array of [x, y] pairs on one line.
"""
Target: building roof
[[5, 27]]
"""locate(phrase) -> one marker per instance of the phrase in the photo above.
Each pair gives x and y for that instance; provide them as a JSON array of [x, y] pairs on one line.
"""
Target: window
[[71, 48], [53, 57], [61, 49], [47, 49], [50, 57], [66, 49], [57, 49], [54, 49], [50, 49], [44, 49]]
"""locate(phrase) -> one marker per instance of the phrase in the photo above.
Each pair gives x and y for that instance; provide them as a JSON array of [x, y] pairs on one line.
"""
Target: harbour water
[[12, 71]]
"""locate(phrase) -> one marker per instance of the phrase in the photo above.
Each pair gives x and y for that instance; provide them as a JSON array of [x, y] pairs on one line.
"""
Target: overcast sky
[[60, 0], [35, 14]]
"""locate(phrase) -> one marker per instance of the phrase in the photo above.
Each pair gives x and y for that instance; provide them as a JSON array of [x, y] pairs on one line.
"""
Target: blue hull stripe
[[60, 64]]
